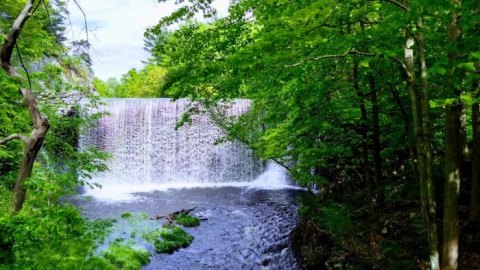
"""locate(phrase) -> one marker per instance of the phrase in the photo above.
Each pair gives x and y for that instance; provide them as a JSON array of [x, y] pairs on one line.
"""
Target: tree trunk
[[34, 143], [427, 150], [424, 155], [377, 159], [454, 151], [475, 190], [32, 147], [453, 161]]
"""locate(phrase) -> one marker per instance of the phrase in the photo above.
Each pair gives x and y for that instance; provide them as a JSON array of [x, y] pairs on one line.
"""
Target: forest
[[372, 106]]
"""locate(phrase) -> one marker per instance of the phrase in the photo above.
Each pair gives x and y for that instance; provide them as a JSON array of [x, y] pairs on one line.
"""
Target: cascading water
[[250, 208], [146, 148], [150, 154]]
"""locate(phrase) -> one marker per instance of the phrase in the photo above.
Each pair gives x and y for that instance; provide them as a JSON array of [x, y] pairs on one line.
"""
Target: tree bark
[[454, 151], [32, 147], [453, 161], [475, 187], [33, 143]]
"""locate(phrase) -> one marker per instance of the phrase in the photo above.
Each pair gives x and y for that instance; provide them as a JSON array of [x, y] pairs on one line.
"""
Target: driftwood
[[172, 216]]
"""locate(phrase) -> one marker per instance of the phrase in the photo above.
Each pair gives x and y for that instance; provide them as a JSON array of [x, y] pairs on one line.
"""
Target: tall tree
[[454, 146], [421, 122], [34, 142]]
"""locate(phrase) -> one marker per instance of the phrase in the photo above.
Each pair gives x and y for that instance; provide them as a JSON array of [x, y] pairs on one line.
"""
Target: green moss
[[187, 220], [119, 256], [134, 216], [126, 215], [168, 239]]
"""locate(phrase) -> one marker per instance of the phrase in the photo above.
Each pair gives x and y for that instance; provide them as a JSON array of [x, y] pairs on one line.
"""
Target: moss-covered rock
[[126, 215], [187, 220], [168, 239], [134, 216]]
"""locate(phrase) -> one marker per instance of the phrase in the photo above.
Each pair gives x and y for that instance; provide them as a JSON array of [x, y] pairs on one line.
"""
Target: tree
[[318, 74], [40, 123], [145, 83], [454, 145]]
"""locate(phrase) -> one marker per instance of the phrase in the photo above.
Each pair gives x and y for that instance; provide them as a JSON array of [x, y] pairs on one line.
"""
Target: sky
[[116, 30]]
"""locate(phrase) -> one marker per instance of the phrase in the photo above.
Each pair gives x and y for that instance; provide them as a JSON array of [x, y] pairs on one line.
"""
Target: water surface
[[245, 228]]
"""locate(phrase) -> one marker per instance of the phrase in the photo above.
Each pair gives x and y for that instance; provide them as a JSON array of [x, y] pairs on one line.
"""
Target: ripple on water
[[245, 228]]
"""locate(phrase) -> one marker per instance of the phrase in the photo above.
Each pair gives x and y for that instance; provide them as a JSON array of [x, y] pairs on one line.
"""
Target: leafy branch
[[329, 56]]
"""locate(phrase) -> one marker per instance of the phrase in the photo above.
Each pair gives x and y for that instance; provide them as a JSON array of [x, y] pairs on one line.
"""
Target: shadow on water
[[245, 228]]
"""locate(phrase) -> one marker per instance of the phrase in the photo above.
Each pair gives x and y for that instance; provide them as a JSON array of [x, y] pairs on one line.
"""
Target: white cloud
[[118, 27]]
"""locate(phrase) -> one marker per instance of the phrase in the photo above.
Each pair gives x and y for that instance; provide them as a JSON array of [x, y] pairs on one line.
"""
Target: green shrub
[[56, 236]]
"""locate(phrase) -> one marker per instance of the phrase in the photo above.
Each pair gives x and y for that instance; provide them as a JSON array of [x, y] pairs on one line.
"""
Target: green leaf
[[476, 55], [437, 70], [365, 64], [467, 99], [469, 66]]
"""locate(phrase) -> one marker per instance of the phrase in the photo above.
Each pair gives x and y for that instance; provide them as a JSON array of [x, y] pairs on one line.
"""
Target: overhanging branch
[[84, 19], [329, 56], [14, 137], [12, 37]]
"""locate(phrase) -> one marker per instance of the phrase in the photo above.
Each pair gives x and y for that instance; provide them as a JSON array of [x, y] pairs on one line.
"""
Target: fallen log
[[170, 218]]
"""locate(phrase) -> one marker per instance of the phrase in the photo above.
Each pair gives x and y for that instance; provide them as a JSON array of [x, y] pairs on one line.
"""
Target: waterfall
[[148, 153]]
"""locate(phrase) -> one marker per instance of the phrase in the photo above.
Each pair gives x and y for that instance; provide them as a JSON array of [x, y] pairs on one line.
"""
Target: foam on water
[[274, 177]]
